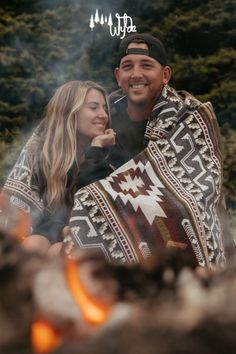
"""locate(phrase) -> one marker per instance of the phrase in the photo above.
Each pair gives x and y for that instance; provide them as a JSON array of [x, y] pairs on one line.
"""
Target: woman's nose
[[103, 113]]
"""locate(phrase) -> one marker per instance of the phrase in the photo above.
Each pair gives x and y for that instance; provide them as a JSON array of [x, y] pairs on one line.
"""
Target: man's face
[[141, 77]]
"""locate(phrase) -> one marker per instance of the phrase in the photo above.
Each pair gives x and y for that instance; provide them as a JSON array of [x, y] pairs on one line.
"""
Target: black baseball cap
[[155, 49]]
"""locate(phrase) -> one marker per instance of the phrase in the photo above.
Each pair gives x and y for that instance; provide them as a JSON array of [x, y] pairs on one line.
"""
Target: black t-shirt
[[130, 139]]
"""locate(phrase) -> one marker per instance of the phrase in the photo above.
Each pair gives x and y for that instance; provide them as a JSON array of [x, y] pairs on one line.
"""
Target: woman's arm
[[94, 167]]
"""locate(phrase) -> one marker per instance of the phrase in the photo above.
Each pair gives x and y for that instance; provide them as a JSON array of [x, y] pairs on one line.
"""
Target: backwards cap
[[155, 49]]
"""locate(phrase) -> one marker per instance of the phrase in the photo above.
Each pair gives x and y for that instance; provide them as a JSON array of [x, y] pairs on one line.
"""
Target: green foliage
[[229, 148]]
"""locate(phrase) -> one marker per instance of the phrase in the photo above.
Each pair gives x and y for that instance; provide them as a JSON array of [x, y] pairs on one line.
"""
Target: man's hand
[[105, 140]]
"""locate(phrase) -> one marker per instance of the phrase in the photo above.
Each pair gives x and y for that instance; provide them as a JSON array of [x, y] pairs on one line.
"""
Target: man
[[141, 76], [169, 191]]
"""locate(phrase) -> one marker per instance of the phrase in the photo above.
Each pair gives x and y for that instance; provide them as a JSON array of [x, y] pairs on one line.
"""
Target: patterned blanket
[[20, 186], [169, 195]]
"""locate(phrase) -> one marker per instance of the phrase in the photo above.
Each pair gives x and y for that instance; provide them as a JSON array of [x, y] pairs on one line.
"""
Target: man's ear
[[117, 75], [166, 75]]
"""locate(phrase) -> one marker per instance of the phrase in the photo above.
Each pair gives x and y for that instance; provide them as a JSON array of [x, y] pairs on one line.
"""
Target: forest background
[[46, 43]]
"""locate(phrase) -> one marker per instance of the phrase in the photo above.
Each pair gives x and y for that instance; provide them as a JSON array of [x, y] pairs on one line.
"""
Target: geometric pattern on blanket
[[169, 194], [20, 187]]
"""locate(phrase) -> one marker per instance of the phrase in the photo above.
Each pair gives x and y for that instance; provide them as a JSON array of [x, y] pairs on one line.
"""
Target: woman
[[67, 151]]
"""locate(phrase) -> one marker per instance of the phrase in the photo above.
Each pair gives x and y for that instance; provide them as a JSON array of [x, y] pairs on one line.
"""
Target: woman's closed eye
[[93, 107]]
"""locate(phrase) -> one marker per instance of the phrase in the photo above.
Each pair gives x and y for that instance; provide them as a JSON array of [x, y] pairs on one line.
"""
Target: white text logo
[[124, 23]]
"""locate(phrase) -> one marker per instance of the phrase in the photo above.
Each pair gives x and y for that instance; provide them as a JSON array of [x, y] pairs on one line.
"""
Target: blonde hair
[[59, 139]]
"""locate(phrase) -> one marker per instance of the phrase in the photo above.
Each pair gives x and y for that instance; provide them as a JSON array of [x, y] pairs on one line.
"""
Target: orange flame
[[44, 337], [93, 312]]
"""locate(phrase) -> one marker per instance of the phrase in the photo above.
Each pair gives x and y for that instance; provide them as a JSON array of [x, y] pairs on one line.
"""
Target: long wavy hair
[[58, 155]]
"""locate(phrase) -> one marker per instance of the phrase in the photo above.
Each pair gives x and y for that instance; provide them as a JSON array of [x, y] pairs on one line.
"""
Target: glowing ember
[[93, 311]]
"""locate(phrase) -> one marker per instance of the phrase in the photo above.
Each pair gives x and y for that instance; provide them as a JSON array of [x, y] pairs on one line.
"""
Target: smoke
[[46, 44], [9, 152]]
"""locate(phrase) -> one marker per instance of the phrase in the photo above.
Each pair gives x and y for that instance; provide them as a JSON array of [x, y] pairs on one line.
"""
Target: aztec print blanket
[[169, 195], [20, 186]]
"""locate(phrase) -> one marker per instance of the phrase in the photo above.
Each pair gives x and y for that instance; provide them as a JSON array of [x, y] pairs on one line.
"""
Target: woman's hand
[[105, 140]]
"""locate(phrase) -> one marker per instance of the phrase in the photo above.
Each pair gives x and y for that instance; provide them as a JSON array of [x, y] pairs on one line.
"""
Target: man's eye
[[147, 66], [126, 67]]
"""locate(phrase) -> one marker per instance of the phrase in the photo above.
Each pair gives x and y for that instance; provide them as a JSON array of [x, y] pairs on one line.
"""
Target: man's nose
[[137, 71]]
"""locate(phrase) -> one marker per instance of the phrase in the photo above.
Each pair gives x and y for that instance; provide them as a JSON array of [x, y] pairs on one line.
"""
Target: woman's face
[[93, 116]]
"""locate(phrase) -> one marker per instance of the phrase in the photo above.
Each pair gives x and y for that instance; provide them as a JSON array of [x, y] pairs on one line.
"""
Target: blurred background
[[46, 43]]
